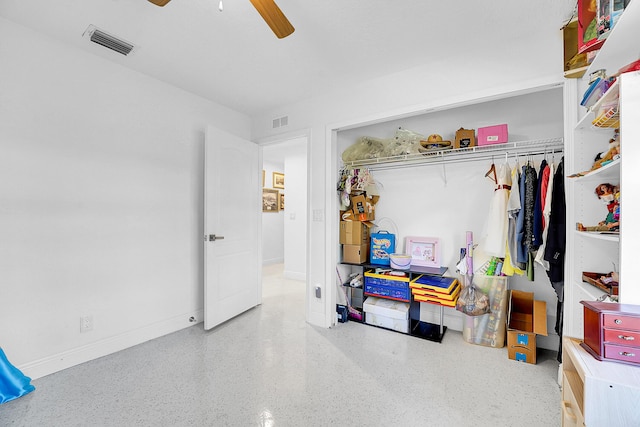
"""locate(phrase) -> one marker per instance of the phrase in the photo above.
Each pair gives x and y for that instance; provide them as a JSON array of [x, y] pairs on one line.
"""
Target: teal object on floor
[[13, 383]]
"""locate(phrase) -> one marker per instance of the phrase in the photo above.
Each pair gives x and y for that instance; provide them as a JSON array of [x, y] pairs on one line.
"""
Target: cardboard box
[[355, 254], [387, 314], [498, 134], [362, 208], [465, 138], [527, 318], [354, 232]]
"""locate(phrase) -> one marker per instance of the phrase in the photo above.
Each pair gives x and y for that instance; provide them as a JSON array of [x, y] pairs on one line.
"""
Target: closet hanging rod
[[459, 155]]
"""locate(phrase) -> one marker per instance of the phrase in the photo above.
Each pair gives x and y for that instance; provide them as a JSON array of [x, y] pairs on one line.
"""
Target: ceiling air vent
[[280, 122], [107, 40]]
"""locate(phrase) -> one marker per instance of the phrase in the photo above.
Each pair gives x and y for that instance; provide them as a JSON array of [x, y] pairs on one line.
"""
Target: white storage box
[[387, 314]]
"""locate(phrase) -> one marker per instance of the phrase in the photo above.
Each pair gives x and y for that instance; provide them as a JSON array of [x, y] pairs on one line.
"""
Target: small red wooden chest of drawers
[[612, 331]]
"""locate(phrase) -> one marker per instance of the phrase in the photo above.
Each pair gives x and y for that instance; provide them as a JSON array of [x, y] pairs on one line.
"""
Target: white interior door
[[232, 218]]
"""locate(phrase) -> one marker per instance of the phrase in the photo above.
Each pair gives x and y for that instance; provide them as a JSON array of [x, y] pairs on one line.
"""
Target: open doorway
[[284, 216]]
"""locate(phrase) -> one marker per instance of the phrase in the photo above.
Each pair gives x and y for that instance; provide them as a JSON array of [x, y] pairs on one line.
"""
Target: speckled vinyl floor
[[268, 367]]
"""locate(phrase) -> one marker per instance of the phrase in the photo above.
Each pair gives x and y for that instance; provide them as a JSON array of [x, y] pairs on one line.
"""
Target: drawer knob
[[618, 321], [624, 353], [626, 337]]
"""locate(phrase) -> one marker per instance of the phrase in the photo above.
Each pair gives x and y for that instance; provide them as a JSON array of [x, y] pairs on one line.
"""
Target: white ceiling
[[234, 59]]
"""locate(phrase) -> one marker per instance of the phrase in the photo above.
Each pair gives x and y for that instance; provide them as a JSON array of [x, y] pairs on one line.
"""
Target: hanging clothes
[[497, 222], [530, 191], [556, 236], [511, 265], [539, 204], [546, 211], [556, 246], [520, 246], [531, 185]]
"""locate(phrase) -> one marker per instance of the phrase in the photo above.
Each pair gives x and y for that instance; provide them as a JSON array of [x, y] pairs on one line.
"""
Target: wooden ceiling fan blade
[[274, 17], [160, 2]]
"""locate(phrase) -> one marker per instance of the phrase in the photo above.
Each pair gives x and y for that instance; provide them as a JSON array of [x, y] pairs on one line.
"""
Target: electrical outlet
[[86, 323]]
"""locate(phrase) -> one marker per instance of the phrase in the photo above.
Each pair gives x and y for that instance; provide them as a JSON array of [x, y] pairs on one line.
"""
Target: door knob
[[213, 237]]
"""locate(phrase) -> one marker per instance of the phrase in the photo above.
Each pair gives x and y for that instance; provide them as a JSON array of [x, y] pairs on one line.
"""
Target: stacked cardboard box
[[354, 237], [527, 318], [354, 229]]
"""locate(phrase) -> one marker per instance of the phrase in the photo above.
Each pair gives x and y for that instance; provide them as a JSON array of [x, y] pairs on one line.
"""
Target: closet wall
[[445, 201]]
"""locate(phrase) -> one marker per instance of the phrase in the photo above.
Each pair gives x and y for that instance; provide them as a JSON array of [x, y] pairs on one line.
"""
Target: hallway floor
[[268, 367]]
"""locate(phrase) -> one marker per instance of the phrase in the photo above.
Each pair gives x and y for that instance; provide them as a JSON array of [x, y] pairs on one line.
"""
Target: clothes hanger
[[492, 170]]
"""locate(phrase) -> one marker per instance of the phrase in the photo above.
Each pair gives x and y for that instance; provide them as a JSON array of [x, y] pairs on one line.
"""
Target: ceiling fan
[[270, 12]]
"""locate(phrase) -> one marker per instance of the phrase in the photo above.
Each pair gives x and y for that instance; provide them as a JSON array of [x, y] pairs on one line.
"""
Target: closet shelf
[[607, 119], [588, 290], [609, 172], [598, 235], [534, 147], [620, 48]]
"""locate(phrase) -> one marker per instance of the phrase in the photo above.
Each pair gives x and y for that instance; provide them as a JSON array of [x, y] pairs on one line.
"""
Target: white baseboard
[[76, 356], [272, 261]]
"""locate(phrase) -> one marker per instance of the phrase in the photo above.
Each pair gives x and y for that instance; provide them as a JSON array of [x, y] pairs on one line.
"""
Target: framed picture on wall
[[281, 202], [270, 200], [278, 180], [424, 251]]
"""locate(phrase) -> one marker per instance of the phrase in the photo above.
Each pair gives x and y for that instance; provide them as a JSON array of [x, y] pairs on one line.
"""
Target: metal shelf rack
[[457, 155]]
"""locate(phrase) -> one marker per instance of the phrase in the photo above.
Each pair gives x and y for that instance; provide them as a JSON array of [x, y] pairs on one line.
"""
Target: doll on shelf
[[605, 157], [613, 153], [610, 195]]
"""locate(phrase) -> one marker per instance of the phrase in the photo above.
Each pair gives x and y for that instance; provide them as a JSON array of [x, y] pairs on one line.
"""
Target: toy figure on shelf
[[610, 195], [605, 157], [613, 153]]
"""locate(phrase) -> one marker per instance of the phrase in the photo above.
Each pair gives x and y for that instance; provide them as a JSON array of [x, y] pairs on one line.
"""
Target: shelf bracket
[[444, 169]]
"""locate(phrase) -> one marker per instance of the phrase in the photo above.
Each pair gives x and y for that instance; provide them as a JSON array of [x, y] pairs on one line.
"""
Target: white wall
[[462, 76], [101, 214], [272, 222], [295, 214]]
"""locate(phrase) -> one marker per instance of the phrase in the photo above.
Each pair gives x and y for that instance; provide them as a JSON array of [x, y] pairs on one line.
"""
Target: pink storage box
[[497, 134]]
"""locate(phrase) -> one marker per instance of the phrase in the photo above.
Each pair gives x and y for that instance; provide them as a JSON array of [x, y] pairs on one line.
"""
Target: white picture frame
[[424, 251]]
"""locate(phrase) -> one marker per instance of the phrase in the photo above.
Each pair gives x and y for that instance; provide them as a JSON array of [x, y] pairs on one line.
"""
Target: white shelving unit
[[591, 251], [598, 393]]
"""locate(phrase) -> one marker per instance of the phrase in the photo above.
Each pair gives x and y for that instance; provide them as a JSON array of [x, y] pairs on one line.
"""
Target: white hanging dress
[[498, 221]]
